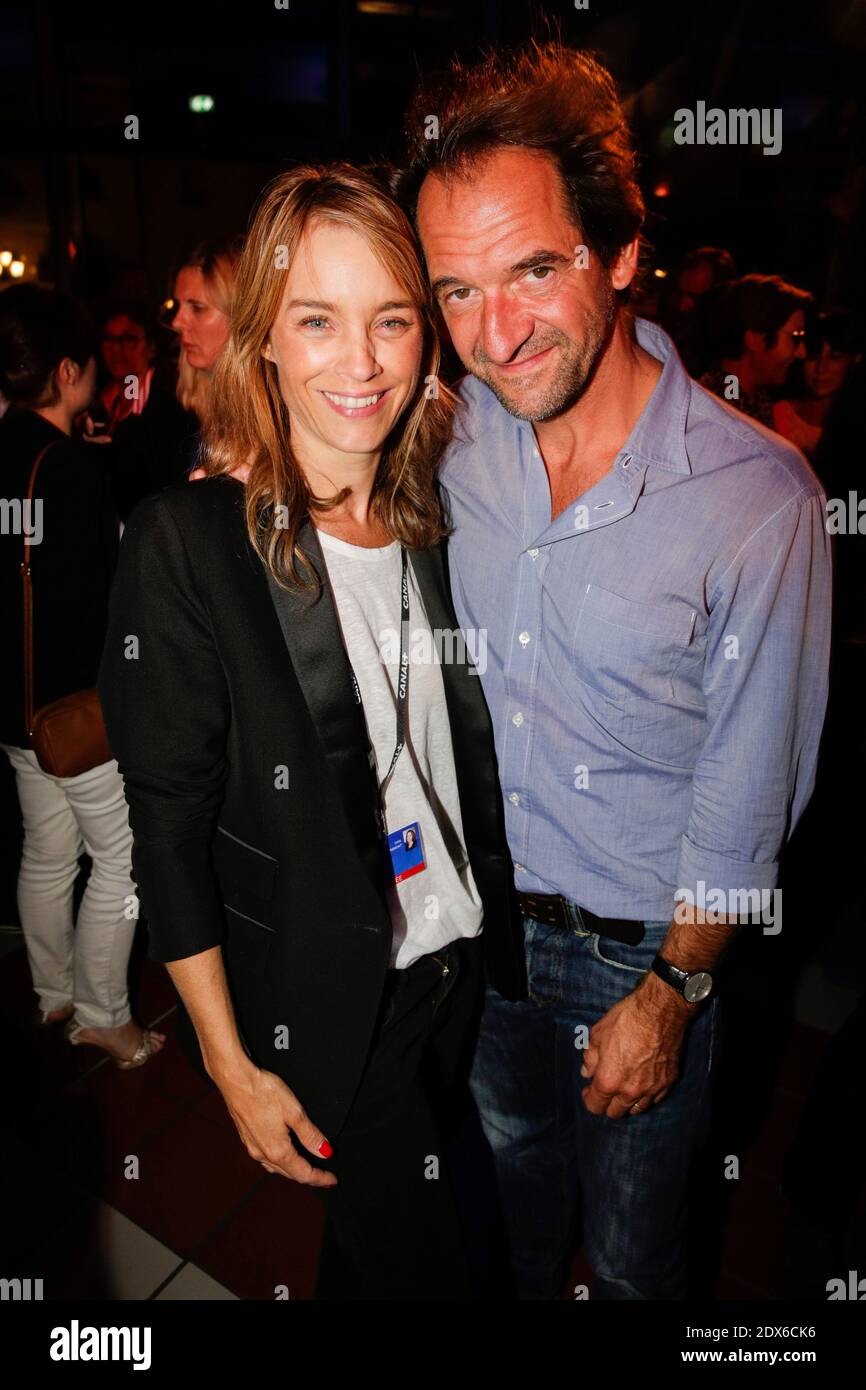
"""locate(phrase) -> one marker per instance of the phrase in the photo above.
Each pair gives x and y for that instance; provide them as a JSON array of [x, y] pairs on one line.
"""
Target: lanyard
[[402, 677]]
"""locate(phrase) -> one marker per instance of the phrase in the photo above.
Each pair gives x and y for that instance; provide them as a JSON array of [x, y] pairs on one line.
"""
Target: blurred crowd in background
[[762, 344]]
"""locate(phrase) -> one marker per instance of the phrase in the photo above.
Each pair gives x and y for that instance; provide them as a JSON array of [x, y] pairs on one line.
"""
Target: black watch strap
[[693, 985]]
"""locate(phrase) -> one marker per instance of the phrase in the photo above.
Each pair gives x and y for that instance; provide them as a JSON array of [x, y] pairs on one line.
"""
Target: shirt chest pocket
[[628, 651]]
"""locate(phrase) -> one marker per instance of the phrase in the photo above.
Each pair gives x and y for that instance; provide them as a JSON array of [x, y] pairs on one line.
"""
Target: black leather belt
[[552, 909]]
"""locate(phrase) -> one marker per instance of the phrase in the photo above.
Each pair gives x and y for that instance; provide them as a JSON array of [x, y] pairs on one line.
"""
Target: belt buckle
[[551, 909]]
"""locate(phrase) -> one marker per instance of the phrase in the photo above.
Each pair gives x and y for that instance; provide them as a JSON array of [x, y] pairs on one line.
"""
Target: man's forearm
[[691, 944], [202, 985]]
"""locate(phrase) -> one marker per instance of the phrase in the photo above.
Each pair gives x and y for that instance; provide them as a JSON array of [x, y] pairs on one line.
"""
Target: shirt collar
[[659, 435]]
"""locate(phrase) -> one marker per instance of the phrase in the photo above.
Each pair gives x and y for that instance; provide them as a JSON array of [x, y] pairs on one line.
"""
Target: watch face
[[697, 987]]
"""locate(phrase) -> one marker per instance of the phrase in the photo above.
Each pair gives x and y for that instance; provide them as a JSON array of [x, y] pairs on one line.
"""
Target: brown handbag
[[68, 736]]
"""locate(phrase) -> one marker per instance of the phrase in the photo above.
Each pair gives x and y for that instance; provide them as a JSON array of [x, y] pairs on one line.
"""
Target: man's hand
[[633, 1054], [264, 1110], [634, 1051]]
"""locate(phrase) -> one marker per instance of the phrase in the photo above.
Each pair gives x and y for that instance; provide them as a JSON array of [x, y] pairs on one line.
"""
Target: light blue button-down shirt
[[655, 658]]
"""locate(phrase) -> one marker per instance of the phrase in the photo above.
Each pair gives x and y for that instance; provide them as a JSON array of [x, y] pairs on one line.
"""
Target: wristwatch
[[694, 987]]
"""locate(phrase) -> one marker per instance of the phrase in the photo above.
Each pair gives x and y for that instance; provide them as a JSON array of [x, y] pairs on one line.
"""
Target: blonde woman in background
[[204, 289]]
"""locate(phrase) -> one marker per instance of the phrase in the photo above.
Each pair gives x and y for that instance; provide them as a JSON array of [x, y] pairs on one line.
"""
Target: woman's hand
[[264, 1110]]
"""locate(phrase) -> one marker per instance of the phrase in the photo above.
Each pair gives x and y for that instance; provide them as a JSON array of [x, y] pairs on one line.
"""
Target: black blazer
[[230, 710]]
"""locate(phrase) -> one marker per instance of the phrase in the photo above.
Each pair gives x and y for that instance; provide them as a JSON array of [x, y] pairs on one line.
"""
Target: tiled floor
[[130, 1185]]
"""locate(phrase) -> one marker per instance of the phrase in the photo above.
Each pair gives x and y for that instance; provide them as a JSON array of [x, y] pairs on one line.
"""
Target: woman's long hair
[[217, 261], [249, 421]]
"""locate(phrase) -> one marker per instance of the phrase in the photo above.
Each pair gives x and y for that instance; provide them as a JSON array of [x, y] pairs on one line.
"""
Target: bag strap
[[28, 601]]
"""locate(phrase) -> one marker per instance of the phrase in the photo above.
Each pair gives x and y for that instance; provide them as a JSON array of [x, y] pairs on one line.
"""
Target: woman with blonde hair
[[200, 313], [283, 718]]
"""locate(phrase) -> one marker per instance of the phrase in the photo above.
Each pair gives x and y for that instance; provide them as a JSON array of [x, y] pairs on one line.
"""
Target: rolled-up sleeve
[[765, 683], [167, 712]]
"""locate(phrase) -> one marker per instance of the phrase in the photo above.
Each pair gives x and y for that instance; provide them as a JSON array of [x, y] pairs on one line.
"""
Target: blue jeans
[[555, 1160]]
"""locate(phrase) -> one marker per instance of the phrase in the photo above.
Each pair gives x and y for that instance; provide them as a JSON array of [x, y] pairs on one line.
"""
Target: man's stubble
[[577, 363]]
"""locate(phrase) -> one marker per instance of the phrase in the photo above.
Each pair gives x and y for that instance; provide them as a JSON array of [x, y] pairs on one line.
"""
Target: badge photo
[[406, 851]]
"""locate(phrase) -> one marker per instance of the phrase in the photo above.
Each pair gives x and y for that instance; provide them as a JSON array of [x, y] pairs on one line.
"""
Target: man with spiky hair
[[651, 571]]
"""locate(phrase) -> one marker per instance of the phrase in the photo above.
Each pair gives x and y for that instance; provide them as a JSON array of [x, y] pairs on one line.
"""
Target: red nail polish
[[325, 1149]]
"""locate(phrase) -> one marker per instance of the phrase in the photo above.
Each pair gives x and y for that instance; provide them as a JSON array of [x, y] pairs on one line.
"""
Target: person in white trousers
[[48, 373], [80, 967]]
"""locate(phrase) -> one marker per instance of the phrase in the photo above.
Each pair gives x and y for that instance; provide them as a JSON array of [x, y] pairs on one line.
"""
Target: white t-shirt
[[440, 903]]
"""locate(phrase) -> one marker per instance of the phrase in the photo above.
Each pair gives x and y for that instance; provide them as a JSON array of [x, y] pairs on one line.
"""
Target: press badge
[[406, 851]]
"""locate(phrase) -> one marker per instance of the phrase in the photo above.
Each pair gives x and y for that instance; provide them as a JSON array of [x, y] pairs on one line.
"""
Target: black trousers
[[393, 1231]]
